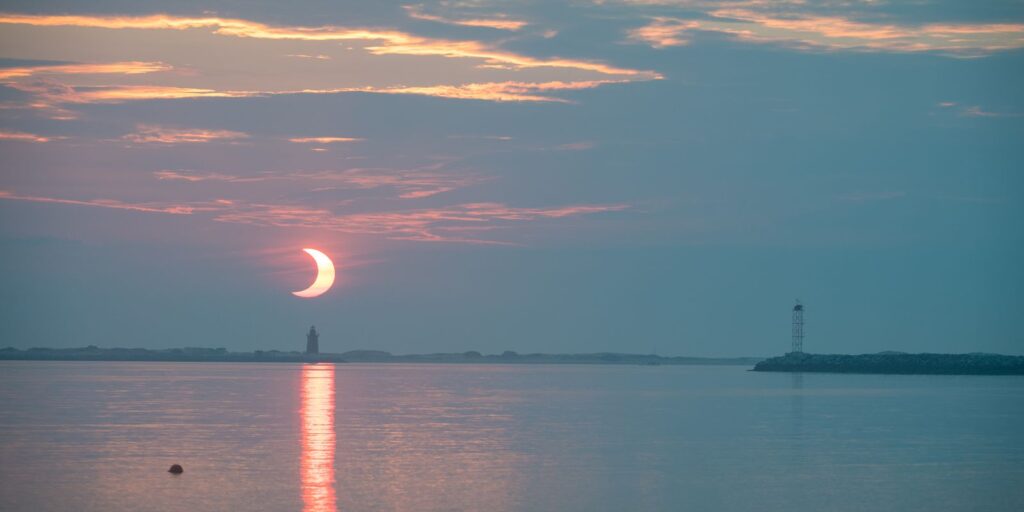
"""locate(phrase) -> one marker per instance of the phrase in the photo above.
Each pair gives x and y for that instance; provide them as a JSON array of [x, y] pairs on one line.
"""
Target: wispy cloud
[[576, 146], [978, 111], [484, 137], [818, 32], [974, 110], [24, 136], [153, 134], [313, 57], [408, 184], [148, 207], [864, 197], [194, 177], [490, 91], [484, 68], [445, 224], [323, 140], [434, 225], [663, 32], [499, 21], [112, 68], [50, 97], [385, 41]]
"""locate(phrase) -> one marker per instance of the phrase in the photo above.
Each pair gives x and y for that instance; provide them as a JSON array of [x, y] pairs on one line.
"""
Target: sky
[[637, 176]]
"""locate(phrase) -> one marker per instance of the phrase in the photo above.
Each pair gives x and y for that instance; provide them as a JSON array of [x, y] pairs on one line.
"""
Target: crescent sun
[[324, 275]]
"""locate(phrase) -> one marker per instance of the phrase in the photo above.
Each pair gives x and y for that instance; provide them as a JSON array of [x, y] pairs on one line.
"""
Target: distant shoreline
[[895, 363], [198, 354]]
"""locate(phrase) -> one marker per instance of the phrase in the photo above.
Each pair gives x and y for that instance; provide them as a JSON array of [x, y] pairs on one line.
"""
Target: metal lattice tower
[[798, 327]]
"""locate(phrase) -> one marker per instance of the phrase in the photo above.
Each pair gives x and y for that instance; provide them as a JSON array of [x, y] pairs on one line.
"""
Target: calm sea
[[359, 437]]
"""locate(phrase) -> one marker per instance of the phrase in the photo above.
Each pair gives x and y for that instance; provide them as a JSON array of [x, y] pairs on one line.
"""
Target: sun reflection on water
[[318, 438]]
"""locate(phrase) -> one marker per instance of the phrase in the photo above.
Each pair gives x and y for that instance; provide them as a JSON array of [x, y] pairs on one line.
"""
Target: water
[[100, 437]]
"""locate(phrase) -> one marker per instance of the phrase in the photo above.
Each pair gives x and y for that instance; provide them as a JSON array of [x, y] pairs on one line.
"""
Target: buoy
[[176, 469]]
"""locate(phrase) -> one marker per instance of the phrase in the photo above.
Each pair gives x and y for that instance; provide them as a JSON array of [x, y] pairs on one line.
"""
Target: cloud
[[114, 68], [433, 225], [49, 97], [384, 41], [153, 134], [148, 207], [23, 136], [304, 56], [663, 32], [445, 224], [484, 137], [576, 146], [977, 111], [491, 91], [323, 140], [188, 62], [816, 32], [498, 22], [198, 177], [864, 197], [974, 110], [409, 184]]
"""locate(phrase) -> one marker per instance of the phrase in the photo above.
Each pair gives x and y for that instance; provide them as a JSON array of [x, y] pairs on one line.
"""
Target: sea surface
[[83, 436]]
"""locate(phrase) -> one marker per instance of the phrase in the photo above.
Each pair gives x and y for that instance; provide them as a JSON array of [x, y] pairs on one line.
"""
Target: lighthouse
[[312, 341]]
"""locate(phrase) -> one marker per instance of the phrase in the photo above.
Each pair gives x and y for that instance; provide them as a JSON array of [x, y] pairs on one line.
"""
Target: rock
[[176, 469]]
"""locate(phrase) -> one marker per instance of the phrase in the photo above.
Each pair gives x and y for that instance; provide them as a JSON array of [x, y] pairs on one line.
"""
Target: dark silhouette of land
[[896, 363], [195, 354]]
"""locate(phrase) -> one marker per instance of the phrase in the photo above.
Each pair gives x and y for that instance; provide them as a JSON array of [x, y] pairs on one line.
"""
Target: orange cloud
[[501, 22], [24, 137], [807, 31], [304, 56], [53, 88], [48, 96], [389, 41], [663, 32], [153, 134], [113, 68], [489, 91], [145, 92]]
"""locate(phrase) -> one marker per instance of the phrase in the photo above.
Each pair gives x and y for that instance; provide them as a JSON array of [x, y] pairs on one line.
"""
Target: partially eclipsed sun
[[324, 275]]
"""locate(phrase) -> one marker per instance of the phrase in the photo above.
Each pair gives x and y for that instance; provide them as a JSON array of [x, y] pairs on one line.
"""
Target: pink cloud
[[323, 140], [24, 137], [148, 207], [153, 134]]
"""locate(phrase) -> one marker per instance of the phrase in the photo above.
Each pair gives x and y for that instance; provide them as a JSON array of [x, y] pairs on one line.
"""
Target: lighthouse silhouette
[[312, 341]]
